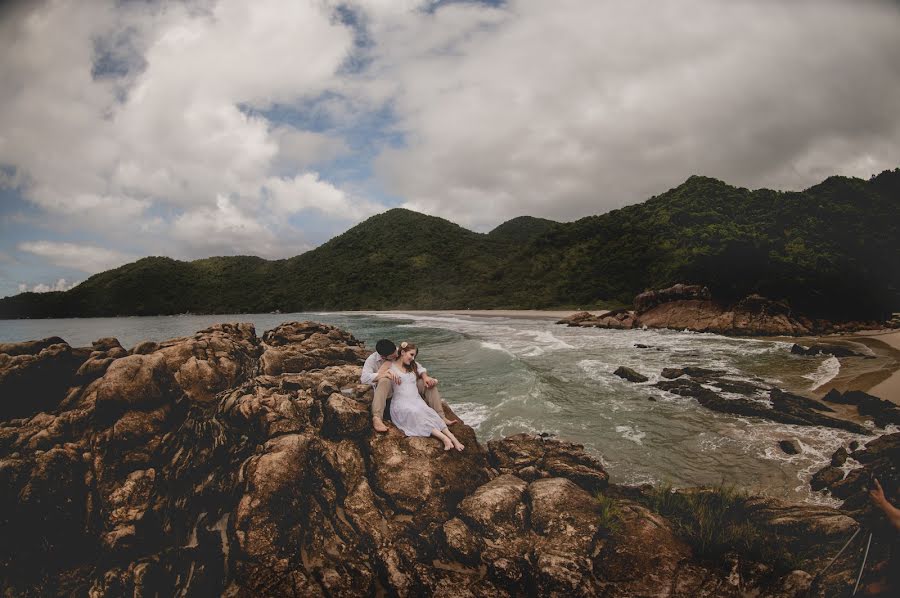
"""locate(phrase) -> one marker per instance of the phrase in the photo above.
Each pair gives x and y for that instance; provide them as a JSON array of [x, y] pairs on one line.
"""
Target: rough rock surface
[[231, 465]]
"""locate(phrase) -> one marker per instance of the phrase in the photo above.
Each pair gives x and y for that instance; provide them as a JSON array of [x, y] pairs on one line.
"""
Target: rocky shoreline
[[692, 307], [225, 463]]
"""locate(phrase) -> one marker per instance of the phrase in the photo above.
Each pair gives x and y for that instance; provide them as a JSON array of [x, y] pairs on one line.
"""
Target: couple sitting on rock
[[394, 374]]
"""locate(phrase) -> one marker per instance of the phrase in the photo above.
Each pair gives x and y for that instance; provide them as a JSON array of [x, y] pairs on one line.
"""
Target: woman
[[409, 411]]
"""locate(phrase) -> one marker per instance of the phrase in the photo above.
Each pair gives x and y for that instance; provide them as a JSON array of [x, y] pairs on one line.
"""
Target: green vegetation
[[713, 522], [830, 251], [609, 518]]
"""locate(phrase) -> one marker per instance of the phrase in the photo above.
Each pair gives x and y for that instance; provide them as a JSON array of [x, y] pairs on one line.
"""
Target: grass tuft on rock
[[609, 515], [714, 522]]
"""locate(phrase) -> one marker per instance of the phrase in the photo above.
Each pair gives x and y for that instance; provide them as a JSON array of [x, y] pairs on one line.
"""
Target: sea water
[[505, 375]]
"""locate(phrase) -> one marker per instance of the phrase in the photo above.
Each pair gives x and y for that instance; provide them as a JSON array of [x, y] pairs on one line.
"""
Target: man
[[386, 350]]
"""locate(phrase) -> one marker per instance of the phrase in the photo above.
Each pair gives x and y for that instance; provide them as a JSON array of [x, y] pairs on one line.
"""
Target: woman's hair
[[413, 366]]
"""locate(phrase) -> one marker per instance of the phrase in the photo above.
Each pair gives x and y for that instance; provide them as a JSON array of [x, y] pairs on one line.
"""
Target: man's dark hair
[[385, 347]]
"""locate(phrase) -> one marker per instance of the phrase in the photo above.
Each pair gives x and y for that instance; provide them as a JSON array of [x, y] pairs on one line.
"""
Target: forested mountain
[[832, 250]]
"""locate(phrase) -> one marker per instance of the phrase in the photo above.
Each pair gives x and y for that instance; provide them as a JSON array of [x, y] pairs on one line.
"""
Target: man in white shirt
[[386, 350]]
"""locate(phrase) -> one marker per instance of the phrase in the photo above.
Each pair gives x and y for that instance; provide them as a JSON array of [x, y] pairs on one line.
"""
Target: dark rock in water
[[839, 457], [779, 396], [690, 371], [621, 319], [854, 445], [630, 375], [879, 459], [651, 399], [818, 348], [883, 447], [784, 410], [576, 318], [683, 387], [807, 410], [882, 411], [739, 387], [825, 477], [790, 447], [641, 346]]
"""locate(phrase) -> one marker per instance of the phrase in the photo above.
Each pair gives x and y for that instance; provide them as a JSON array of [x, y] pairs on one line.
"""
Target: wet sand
[[878, 375]]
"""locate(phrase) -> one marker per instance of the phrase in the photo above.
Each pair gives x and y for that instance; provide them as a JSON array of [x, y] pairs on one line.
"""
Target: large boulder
[[35, 375]]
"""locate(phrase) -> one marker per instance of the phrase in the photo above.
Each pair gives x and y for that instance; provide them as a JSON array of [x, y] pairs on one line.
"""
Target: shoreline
[[534, 314], [879, 377]]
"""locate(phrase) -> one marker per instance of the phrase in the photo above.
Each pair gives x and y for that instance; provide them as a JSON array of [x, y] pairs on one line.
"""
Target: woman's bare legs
[[456, 443], [448, 444]]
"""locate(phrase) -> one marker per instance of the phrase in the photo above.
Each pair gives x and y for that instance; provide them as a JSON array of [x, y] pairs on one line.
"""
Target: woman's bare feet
[[379, 425], [456, 443]]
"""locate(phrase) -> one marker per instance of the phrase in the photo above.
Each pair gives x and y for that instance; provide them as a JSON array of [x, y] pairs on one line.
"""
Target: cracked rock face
[[227, 464]]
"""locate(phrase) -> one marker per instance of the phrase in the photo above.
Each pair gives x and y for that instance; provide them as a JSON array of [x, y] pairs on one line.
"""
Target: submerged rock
[[790, 447], [630, 375]]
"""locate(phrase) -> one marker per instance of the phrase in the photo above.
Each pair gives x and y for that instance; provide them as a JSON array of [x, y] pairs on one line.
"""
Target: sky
[[224, 127]]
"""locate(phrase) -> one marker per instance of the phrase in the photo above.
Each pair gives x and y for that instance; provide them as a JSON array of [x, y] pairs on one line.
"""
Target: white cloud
[[142, 153], [306, 191], [87, 258], [60, 285], [227, 230], [569, 108]]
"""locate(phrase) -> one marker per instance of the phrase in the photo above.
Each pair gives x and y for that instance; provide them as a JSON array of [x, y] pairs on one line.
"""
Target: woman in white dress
[[409, 411]]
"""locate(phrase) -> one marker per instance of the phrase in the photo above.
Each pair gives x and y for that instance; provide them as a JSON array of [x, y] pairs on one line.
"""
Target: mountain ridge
[[821, 249]]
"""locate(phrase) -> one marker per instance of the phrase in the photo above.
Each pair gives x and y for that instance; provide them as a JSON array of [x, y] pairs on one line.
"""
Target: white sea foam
[[473, 414], [495, 347], [631, 433], [826, 371]]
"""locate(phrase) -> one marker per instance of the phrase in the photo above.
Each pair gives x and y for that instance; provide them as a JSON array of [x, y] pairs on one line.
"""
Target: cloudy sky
[[199, 128]]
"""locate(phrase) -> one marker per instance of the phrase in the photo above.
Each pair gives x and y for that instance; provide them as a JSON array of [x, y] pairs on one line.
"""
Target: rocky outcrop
[[821, 348], [753, 316], [780, 406], [878, 459], [620, 319], [679, 292], [882, 412], [692, 307], [227, 464], [630, 375], [35, 375]]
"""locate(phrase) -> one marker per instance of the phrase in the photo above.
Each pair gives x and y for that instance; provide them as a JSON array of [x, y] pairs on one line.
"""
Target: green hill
[[832, 250], [522, 229]]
